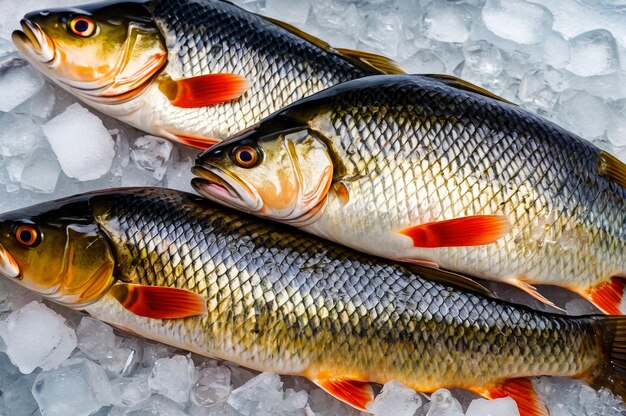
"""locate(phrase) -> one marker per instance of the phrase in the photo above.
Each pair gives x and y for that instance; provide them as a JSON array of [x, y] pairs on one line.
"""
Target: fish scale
[[282, 300], [220, 37]]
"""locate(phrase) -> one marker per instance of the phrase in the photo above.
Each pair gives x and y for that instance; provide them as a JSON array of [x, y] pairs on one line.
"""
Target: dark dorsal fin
[[449, 278], [372, 63], [612, 168], [467, 86]]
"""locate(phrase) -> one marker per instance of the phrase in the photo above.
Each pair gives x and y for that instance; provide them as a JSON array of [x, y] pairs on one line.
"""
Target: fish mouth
[[8, 266], [33, 41], [219, 186]]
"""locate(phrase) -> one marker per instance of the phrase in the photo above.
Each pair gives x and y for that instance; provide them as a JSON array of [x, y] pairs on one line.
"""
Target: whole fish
[[428, 170], [175, 268], [193, 71]]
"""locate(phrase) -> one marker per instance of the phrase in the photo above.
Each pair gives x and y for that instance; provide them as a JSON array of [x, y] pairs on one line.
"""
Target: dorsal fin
[[449, 278], [372, 63], [461, 84], [378, 62], [612, 168]]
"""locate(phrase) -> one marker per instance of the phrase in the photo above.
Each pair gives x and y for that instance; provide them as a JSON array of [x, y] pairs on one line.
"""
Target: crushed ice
[[565, 60]]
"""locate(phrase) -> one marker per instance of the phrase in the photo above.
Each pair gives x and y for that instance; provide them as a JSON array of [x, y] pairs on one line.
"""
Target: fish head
[[103, 53], [284, 176], [56, 249]]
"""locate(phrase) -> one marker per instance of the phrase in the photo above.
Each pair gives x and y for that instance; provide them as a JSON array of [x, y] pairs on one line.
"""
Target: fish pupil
[[26, 236], [81, 26], [245, 156]]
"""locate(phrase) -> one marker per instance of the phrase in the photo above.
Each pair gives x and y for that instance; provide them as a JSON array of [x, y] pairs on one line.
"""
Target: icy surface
[[497, 407], [395, 399], [565, 60], [36, 336]]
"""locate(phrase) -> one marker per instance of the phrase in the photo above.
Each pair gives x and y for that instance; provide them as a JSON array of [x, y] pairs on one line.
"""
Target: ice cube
[[41, 171], [39, 105], [126, 358], [16, 398], [497, 407], [179, 175], [136, 176], [14, 296], [536, 90], [569, 397], [337, 14], [293, 403], [18, 82], [323, 404], [173, 377], [447, 22], [83, 145], [517, 20], [95, 339], [8, 372], [36, 336], [382, 31], [258, 396], [152, 153], [212, 387], [292, 11], [78, 387], [555, 50], [15, 168], [594, 53], [584, 114], [616, 131], [156, 405], [130, 391], [395, 399], [122, 152], [19, 135], [483, 62], [424, 61], [443, 404]]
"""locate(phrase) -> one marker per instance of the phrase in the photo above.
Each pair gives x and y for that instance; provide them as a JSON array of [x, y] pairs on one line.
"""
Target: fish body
[[191, 71], [414, 168], [277, 299]]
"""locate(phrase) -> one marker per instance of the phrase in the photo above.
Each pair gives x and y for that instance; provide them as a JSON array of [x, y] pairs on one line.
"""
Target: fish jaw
[[33, 43], [217, 185], [8, 266]]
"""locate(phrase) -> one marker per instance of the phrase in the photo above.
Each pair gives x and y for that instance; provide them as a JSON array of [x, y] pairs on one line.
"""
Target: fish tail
[[611, 372]]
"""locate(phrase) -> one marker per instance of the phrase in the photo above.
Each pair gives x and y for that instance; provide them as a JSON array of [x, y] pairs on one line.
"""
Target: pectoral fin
[[159, 302], [467, 231], [203, 90], [357, 394], [522, 391]]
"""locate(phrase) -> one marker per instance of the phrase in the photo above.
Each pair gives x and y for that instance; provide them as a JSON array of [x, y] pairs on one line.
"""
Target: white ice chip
[[83, 145], [18, 82]]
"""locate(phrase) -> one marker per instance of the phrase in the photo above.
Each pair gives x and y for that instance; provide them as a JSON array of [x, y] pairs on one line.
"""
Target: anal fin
[[159, 302], [357, 394], [609, 297], [522, 391], [474, 230], [530, 290]]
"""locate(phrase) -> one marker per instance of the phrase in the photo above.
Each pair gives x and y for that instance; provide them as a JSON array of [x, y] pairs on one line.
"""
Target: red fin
[[530, 290], [522, 391], [198, 142], [609, 297], [467, 231], [159, 302], [357, 394], [203, 90]]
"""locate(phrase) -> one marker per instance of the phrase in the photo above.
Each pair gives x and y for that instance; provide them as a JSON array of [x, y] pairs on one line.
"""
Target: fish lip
[[8, 266], [34, 41], [219, 186]]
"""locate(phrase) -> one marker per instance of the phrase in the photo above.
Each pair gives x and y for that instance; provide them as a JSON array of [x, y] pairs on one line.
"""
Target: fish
[[427, 169], [176, 268], [192, 71]]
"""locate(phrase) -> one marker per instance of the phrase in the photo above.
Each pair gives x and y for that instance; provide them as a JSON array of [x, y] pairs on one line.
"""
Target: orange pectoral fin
[[357, 394], [203, 90], [159, 302], [522, 391], [476, 230], [608, 297]]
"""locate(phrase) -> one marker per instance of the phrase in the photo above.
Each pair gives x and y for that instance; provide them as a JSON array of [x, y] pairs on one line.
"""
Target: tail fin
[[612, 373], [609, 297]]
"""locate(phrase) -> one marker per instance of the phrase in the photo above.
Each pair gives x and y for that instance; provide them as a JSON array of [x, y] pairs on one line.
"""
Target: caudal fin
[[612, 372], [609, 297]]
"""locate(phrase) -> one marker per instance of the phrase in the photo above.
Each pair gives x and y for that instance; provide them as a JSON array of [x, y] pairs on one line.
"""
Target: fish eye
[[28, 235], [82, 26], [246, 156]]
